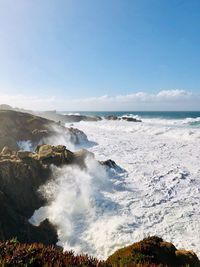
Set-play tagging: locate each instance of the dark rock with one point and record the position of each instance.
(18, 126)
(19, 182)
(130, 119)
(21, 175)
(111, 117)
(109, 163)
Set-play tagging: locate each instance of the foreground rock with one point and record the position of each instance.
(153, 251)
(21, 175)
(17, 127)
(19, 182)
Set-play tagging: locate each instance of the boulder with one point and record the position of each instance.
(130, 119)
(154, 252)
(109, 163)
(45, 151)
(111, 117)
(187, 258)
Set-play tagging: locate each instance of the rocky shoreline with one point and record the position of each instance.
(23, 171)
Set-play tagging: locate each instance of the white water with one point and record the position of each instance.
(163, 182)
(160, 194)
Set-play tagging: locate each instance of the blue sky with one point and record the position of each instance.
(57, 52)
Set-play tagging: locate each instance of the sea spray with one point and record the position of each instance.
(25, 145)
(72, 138)
(78, 198)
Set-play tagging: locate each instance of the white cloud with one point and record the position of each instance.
(173, 93)
(175, 99)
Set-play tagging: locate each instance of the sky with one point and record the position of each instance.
(100, 54)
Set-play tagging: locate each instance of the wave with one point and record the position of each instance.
(163, 182)
(71, 113)
(192, 121)
(78, 200)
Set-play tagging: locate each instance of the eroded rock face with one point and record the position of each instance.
(153, 250)
(19, 182)
(17, 126)
(21, 175)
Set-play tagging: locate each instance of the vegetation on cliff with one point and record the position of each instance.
(150, 252)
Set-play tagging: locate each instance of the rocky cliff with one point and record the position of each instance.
(21, 175)
(17, 127)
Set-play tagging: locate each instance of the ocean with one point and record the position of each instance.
(156, 190)
(145, 114)
(191, 117)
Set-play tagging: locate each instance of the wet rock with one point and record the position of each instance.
(19, 183)
(130, 119)
(111, 117)
(109, 163)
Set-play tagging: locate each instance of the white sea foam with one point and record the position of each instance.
(163, 181)
(79, 199)
(25, 145)
(160, 193)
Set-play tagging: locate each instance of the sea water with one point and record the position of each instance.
(157, 193)
(162, 158)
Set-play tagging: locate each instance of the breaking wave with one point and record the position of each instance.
(98, 211)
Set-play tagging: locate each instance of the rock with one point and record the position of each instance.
(77, 136)
(57, 155)
(24, 154)
(45, 151)
(6, 151)
(109, 163)
(187, 258)
(21, 175)
(59, 149)
(153, 250)
(130, 119)
(18, 126)
(111, 117)
(80, 156)
(19, 198)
